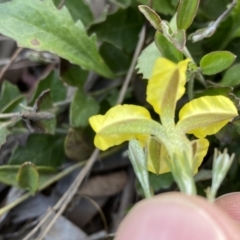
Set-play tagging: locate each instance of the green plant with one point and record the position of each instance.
(197, 31)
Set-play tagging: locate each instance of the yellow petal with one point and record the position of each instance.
(206, 115)
(157, 155)
(166, 84)
(122, 123)
(200, 148)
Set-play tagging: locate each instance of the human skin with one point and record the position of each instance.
(175, 216)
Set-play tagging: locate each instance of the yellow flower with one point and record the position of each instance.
(166, 143)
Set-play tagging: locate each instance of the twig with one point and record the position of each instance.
(132, 66)
(71, 192)
(6, 67)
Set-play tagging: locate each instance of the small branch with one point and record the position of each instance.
(6, 67)
(34, 116)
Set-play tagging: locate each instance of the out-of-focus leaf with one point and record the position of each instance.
(10, 95)
(120, 29)
(209, 10)
(232, 76)
(4, 129)
(82, 108)
(48, 29)
(52, 82)
(77, 144)
(122, 3)
(3, 134)
(8, 174)
(186, 12)
(79, 10)
(216, 62)
(116, 59)
(160, 182)
(28, 177)
(44, 104)
(167, 49)
(234, 30)
(151, 16)
(14, 105)
(41, 150)
(138, 160)
(165, 7)
(147, 59)
(214, 89)
(75, 76)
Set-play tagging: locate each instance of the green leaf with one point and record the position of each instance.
(9, 173)
(79, 10)
(167, 49)
(75, 76)
(151, 16)
(121, 29)
(234, 30)
(14, 105)
(52, 82)
(162, 6)
(116, 59)
(28, 177)
(82, 107)
(214, 89)
(147, 60)
(122, 3)
(9, 94)
(216, 62)
(3, 133)
(44, 104)
(78, 144)
(46, 28)
(41, 150)
(4, 129)
(186, 12)
(138, 160)
(232, 76)
(160, 182)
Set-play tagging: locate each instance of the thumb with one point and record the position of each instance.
(174, 216)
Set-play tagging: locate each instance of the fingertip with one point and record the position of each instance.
(230, 203)
(176, 216)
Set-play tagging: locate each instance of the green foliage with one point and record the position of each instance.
(138, 160)
(231, 76)
(59, 34)
(52, 82)
(44, 104)
(167, 49)
(186, 12)
(79, 10)
(117, 30)
(10, 98)
(82, 107)
(72, 33)
(162, 6)
(41, 150)
(28, 177)
(147, 59)
(9, 175)
(216, 62)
